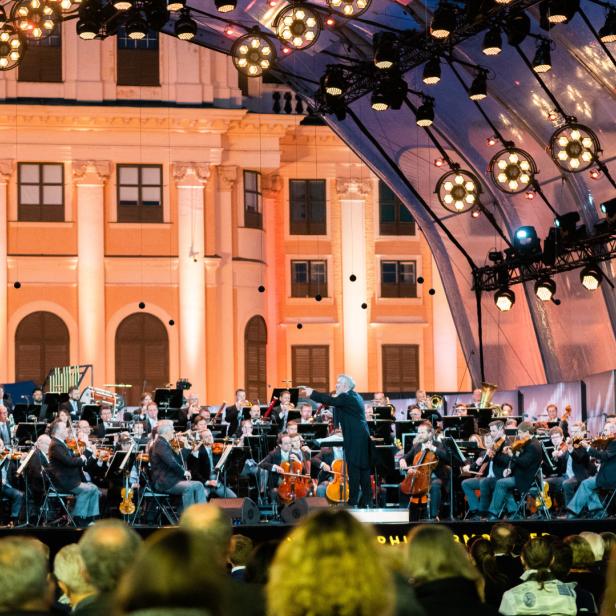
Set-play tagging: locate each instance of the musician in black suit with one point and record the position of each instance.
(274, 459)
(280, 413)
(168, 468)
(65, 469)
(321, 466)
(350, 415)
(572, 466)
(72, 404)
(232, 414)
(8, 480)
(523, 466)
(34, 470)
(586, 495)
(100, 430)
(6, 400)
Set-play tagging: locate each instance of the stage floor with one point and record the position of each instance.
(391, 527)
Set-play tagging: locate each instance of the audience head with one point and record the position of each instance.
(172, 572)
(24, 581)
(609, 543)
(537, 555)
(583, 558)
(70, 571)
(502, 538)
(108, 548)
(240, 548)
(562, 559)
(325, 552)
(480, 549)
(596, 544)
(213, 527)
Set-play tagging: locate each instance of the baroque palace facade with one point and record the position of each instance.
(157, 223)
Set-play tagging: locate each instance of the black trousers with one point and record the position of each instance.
(359, 478)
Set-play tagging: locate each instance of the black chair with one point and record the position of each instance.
(52, 494)
(153, 505)
(535, 491)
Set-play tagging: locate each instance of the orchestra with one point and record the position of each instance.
(471, 460)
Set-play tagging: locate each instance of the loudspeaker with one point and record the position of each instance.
(301, 507)
(240, 510)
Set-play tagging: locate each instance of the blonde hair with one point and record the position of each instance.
(433, 554)
(330, 564)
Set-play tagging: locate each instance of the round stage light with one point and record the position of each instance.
(504, 299)
(11, 48)
(253, 54)
(298, 25)
(512, 170)
(35, 19)
(458, 191)
(350, 8)
(591, 277)
(545, 289)
(574, 147)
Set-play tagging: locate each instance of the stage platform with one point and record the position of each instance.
(391, 526)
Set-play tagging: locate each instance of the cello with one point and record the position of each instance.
(417, 484)
(295, 484)
(337, 491)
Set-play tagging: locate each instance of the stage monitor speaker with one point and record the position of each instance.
(240, 510)
(302, 507)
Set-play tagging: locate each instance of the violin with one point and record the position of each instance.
(518, 445)
(602, 442)
(295, 484)
(11, 455)
(77, 446)
(127, 506)
(338, 490)
(218, 448)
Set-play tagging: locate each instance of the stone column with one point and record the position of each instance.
(89, 177)
(225, 309)
(7, 167)
(190, 180)
(352, 197)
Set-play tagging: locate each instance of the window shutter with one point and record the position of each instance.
(255, 373)
(400, 367)
(310, 366)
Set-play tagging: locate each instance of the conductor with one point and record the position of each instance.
(350, 416)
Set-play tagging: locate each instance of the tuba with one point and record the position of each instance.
(436, 402)
(487, 393)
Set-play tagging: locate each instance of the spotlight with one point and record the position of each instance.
(11, 48)
(334, 81)
(525, 240)
(553, 115)
(136, 27)
(607, 33)
(432, 72)
(185, 26)
(545, 289)
(175, 5)
(458, 191)
(298, 25)
(530, 195)
(609, 209)
(439, 162)
(122, 5)
(385, 50)
(491, 140)
(504, 299)
(87, 29)
(389, 93)
(512, 170)
(479, 88)
(591, 277)
(252, 54)
(35, 19)
(350, 7)
(330, 21)
(225, 6)
(561, 11)
(475, 212)
(574, 147)
(542, 62)
(425, 114)
(594, 174)
(492, 42)
(443, 22)
(517, 27)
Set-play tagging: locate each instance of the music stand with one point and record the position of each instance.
(168, 398)
(115, 464)
(383, 412)
(317, 430)
(407, 426)
(463, 425)
(91, 413)
(29, 431)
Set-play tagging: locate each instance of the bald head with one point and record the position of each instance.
(212, 524)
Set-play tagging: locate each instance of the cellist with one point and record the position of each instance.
(425, 441)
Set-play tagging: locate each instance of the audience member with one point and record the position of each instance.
(213, 526)
(445, 580)
(539, 593)
(70, 572)
(108, 549)
(325, 554)
(240, 548)
(582, 567)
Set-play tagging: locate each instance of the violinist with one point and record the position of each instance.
(202, 462)
(8, 469)
(490, 468)
(525, 457)
(425, 440)
(65, 469)
(34, 470)
(586, 496)
(5, 426)
(572, 464)
(168, 467)
(94, 469)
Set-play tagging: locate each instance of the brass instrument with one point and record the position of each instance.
(436, 402)
(487, 393)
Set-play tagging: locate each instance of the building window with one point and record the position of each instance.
(253, 216)
(137, 60)
(255, 359)
(400, 367)
(42, 61)
(41, 192)
(308, 278)
(398, 279)
(394, 216)
(307, 204)
(310, 366)
(140, 196)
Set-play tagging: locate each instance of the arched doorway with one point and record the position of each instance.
(255, 372)
(41, 343)
(141, 355)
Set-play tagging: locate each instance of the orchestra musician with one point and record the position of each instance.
(202, 462)
(476, 400)
(73, 405)
(586, 496)
(8, 469)
(255, 415)
(34, 471)
(413, 412)
(421, 399)
(292, 428)
(496, 462)
(425, 440)
(506, 409)
(105, 421)
(5, 399)
(273, 460)
(524, 462)
(232, 414)
(460, 410)
(168, 467)
(550, 416)
(151, 420)
(280, 413)
(65, 469)
(572, 464)
(350, 415)
(188, 413)
(305, 414)
(321, 466)
(5, 426)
